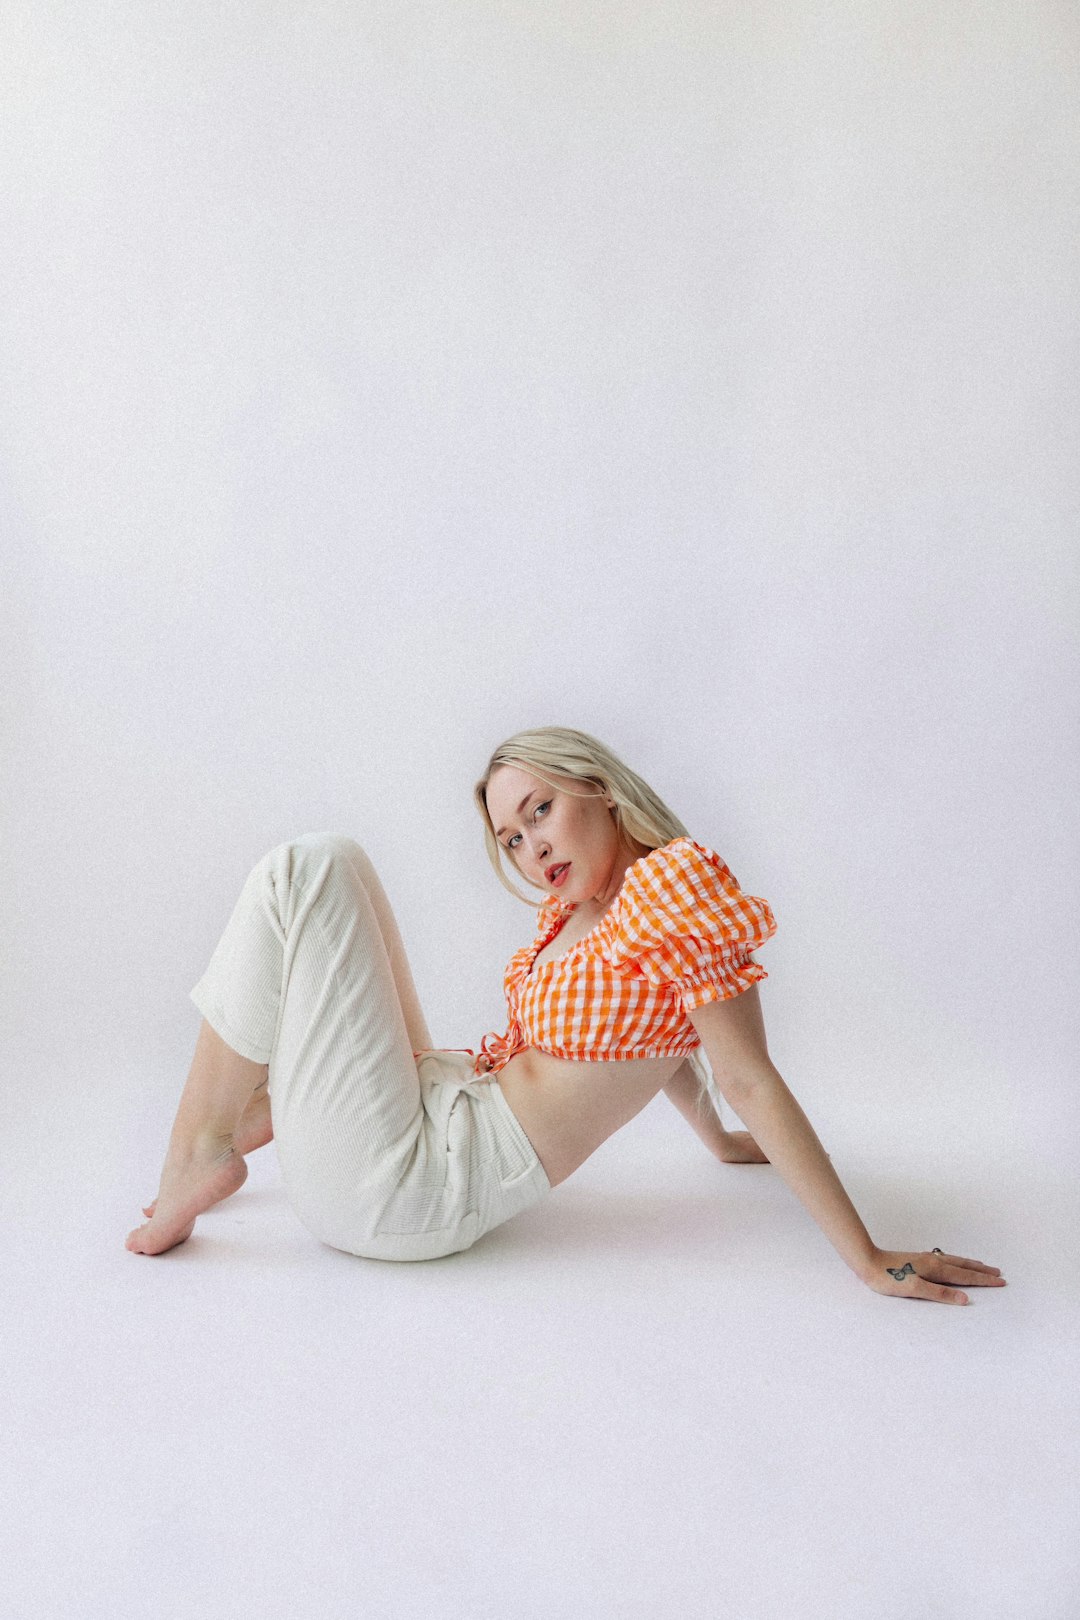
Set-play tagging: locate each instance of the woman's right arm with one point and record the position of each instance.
(730, 1147)
(682, 1090)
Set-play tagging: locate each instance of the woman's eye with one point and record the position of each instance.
(545, 806)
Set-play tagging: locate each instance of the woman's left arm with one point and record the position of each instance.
(733, 1035)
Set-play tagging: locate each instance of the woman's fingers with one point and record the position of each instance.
(931, 1276)
(945, 1296)
(953, 1296)
(924, 1288)
(976, 1265)
(976, 1279)
(972, 1272)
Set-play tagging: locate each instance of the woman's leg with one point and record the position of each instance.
(202, 1164)
(310, 986)
(415, 1022)
(255, 1127)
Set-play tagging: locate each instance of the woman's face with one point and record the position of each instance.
(542, 827)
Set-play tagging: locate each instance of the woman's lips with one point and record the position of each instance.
(559, 873)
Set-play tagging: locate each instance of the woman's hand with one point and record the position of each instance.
(927, 1276)
(739, 1147)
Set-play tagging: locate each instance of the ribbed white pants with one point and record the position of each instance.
(387, 1149)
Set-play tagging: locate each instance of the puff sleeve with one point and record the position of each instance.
(682, 921)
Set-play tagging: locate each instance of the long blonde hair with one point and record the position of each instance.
(641, 816)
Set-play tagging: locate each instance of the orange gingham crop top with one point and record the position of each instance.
(678, 933)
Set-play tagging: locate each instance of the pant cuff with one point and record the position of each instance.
(232, 1037)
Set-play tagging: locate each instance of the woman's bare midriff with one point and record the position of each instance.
(568, 1109)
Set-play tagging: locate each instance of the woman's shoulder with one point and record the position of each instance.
(678, 876)
(680, 906)
(682, 860)
(675, 886)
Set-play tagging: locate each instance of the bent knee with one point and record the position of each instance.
(327, 843)
(321, 847)
(310, 857)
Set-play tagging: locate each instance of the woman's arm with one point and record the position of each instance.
(730, 1147)
(682, 1090)
(733, 1035)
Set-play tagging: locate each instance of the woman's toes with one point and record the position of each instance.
(152, 1239)
(189, 1186)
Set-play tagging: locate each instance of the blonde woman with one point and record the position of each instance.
(393, 1149)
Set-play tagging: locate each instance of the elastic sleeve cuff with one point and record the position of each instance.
(697, 991)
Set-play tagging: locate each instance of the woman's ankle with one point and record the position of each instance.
(208, 1140)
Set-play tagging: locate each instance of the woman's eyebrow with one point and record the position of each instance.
(520, 808)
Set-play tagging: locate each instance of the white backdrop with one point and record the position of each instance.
(383, 378)
(380, 378)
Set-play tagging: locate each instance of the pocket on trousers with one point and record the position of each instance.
(528, 1174)
(433, 1194)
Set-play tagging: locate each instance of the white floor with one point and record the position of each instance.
(660, 1394)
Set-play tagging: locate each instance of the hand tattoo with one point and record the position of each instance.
(901, 1272)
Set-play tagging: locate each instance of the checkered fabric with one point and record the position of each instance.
(678, 933)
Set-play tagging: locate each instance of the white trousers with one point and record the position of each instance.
(383, 1153)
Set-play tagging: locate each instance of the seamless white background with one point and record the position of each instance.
(380, 379)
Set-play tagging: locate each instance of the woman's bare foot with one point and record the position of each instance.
(254, 1131)
(195, 1175)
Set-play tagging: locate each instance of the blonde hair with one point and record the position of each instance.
(641, 816)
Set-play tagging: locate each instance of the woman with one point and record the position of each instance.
(395, 1150)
